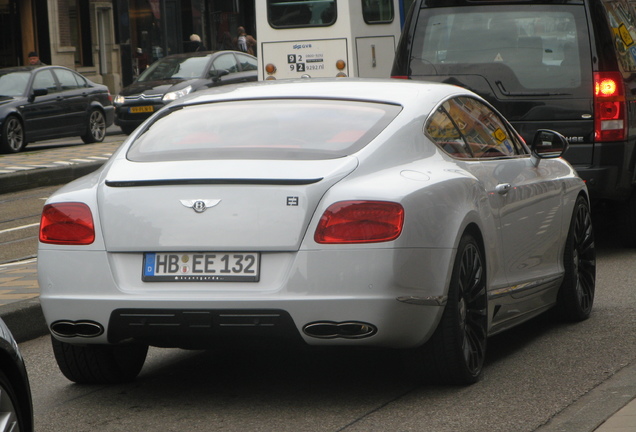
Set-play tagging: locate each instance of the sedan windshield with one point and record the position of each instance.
(14, 83)
(175, 68)
(285, 129)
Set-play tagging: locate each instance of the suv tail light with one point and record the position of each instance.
(67, 223)
(610, 111)
(360, 222)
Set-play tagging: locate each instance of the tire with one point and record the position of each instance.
(455, 353)
(96, 127)
(10, 412)
(99, 364)
(12, 138)
(576, 294)
(627, 221)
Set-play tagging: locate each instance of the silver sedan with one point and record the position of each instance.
(370, 213)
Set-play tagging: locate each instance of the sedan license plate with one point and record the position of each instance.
(142, 109)
(201, 267)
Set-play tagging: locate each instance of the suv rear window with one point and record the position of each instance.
(521, 49)
(285, 129)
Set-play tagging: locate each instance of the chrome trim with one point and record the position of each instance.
(424, 301)
(515, 289)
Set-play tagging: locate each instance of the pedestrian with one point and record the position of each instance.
(34, 59)
(245, 42)
(196, 44)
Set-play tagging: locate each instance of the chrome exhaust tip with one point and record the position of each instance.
(344, 330)
(83, 329)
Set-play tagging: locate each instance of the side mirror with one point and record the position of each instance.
(548, 144)
(38, 92)
(218, 73)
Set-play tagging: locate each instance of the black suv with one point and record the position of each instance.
(566, 65)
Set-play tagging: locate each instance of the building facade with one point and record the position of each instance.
(112, 41)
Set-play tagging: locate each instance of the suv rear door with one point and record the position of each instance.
(533, 62)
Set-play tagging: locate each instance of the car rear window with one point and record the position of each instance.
(521, 49)
(284, 129)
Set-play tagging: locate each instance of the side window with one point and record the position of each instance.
(377, 11)
(622, 19)
(67, 79)
(301, 13)
(225, 61)
(442, 130)
(45, 79)
(247, 63)
(485, 132)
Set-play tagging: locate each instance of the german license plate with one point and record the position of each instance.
(142, 109)
(201, 267)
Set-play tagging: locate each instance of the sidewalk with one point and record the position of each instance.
(20, 306)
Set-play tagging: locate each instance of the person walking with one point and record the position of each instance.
(34, 59)
(245, 42)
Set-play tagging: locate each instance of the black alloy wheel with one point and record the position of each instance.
(96, 128)
(12, 135)
(10, 413)
(576, 295)
(455, 353)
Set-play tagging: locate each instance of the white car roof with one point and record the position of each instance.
(401, 92)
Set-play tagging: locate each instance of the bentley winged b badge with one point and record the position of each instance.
(200, 205)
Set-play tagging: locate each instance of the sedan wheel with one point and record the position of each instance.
(9, 412)
(576, 295)
(99, 364)
(12, 138)
(455, 353)
(96, 129)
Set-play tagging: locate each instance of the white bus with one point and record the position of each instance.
(326, 38)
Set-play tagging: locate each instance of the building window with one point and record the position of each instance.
(80, 31)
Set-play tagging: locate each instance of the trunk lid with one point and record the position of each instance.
(250, 205)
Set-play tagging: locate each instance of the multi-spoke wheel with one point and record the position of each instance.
(456, 351)
(96, 128)
(576, 295)
(10, 415)
(12, 135)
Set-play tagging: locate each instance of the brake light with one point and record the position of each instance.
(400, 77)
(610, 111)
(360, 222)
(67, 223)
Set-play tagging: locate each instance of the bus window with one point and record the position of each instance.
(377, 11)
(303, 13)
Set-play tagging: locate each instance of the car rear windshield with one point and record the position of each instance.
(175, 68)
(521, 50)
(283, 129)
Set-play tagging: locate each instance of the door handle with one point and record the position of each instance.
(503, 188)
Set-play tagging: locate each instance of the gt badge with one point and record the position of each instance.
(200, 205)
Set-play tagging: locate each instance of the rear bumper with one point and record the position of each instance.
(611, 174)
(296, 289)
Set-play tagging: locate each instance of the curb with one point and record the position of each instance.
(25, 319)
(30, 179)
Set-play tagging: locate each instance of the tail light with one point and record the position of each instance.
(360, 222)
(400, 77)
(610, 111)
(67, 223)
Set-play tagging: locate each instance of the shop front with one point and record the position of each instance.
(151, 29)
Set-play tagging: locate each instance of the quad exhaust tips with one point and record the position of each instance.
(83, 329)
(344, 330)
